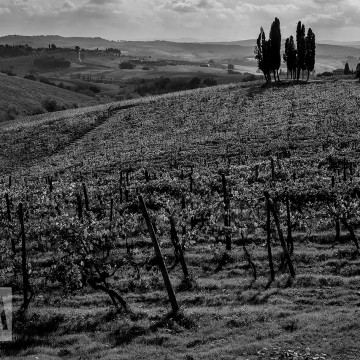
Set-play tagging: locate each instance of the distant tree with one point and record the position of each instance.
(53, 46)
(275, 47)
(194, 82)
(301, 48)
(230, 68)
(209, 82)
(262, 55)
(310, 52)
(126, 65)
(347, 70)
(357, 71)
(77, 48)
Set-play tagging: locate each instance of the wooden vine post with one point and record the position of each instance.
(290, 240)
(167, 282)
(281, 237)
(178, 249)
(79, 206)
(8, 211)
(87, 207)
(227, 210)
(337, 221)
(268, 241)
(24, 261)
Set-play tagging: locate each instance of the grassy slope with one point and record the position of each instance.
(233, 316)
(26, 95)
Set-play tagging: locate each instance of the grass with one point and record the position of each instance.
(25, 97)
(226, 315)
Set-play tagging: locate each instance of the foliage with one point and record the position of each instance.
(310, 52)
(275, 47)
(30, 77)
(127, 65)
(50, 63)
(347, 70)
(263, 54)
(357, 71)
(14, 50)
(11, 112)
(289, 56)
(51, 105)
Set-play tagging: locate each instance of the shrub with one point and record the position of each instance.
(145, 68)
(47, 82)
(8, 72)
(37, 111)
(11, 112)
(209, 82)
(194, 83)
(47, 63)
(249, 77)
(30, 77)
(50, 105)
(95, 89)
(126, 65)
(325, 73)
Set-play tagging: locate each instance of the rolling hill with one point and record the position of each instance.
(21, 97)
(330, 55)
(78, 174)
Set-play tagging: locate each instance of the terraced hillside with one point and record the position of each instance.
(249, 176)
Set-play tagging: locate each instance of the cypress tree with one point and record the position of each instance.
(301, 48)
(262, 55)
(290, 56)
(347, 69)
(275, 47)
(310, 52)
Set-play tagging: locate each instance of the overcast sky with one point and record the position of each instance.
(215, 20)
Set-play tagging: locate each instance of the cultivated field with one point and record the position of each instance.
(228, 166)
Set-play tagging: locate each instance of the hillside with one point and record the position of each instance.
(21, 97)
(329, 55)
(259, 185)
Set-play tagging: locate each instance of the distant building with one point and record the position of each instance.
(338, 72)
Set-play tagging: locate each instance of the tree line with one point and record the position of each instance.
(14, 50)
(298, 57)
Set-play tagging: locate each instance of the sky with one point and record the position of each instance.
(206, 20)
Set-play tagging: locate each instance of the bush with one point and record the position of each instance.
(95, 89)
(8, 72)
(47, 82)
(325, 73)
(194, 83)
(30, 77)
(209, 82)
(145, 68)
(249, 77)
(37, 111)
(47, 63)
(127, 65)
(11, 112)
(50, 105)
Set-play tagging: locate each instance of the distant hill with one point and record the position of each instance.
(330, 55)
(25, 97)
(59, 41)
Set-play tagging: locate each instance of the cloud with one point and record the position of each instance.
(5, 11)
(182, 6)
(68, 6)
(205, 19)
